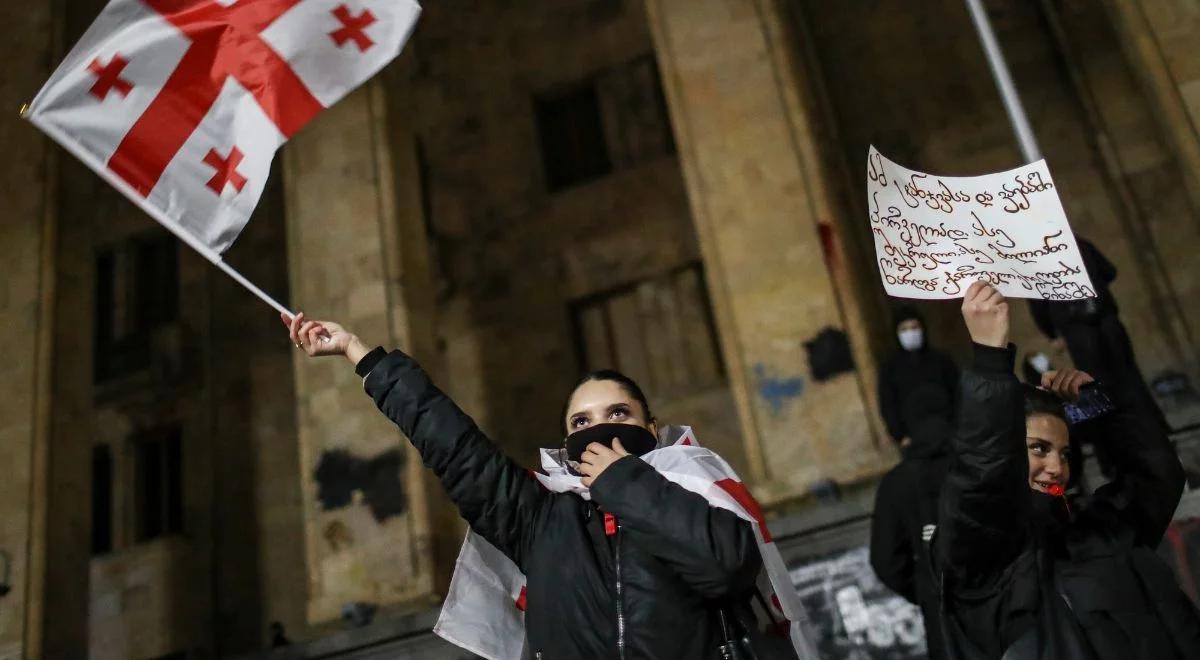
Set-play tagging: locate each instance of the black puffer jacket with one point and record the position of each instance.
(906, 506)
(1023, 577)
(646, 589)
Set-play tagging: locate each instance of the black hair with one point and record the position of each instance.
(907, 313)
(627, 384)
(1039, 401)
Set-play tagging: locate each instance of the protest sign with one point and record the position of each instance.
(935, 235)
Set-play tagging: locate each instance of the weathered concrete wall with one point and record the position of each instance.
(1111, 158)
(342, 235)
(134, 605)
(170, 389)
(26, 181)
(1147, 172)
(510, 255)
(758, 212)
(258, 521)
(222, 373)
(1160, 36)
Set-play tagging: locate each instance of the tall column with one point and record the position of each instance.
(355, 255)
(1160, 36)
(767, 230)
(26, 311)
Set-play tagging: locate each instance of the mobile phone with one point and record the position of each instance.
(1092, 403)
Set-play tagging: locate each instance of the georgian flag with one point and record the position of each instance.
(484, 611)
(181, 104)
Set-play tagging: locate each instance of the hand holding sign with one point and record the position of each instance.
(985, 312)
(934, 236)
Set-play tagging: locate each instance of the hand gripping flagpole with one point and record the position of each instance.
(1004, 83)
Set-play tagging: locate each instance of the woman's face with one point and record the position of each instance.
(1047, 441)
(605, 402)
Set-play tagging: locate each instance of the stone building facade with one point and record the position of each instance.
(670, 187)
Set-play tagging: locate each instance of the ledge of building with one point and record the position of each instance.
(394, 636)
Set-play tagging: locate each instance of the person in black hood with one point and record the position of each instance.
(905, 512)
(644, 569)
(1091, 330)
(914, 365)
(1027, 571)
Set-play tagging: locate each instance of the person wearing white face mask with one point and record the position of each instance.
(911, 335)
(914, 366)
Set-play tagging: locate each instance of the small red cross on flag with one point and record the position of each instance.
(182, 104)
(108, 77)
(353, 28)
(227, 174)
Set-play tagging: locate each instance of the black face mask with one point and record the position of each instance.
(635, 439)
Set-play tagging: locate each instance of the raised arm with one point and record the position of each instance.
(495, 496)
(1149, 478)
(986, 494)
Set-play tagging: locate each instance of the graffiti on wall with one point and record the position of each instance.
(854, 614)
(341, 475)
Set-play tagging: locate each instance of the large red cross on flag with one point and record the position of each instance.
(181, 104)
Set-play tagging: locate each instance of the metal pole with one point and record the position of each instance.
(216, 260)
(1008, 92)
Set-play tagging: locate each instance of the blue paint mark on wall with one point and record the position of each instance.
(777, 391)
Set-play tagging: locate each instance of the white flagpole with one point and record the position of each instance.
(216, 260)
(1008, 91)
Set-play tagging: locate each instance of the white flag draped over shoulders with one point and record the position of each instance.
(181, 104)
(484, 611)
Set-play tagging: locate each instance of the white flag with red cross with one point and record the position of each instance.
(181, 104)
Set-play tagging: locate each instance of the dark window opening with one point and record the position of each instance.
(137, 291)
(571, 131)
(634, 109)
(102, 500)
(158, 469)
(659, 331)
(614, 120)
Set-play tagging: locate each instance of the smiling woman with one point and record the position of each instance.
(1047, 439)
(1026, 571)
